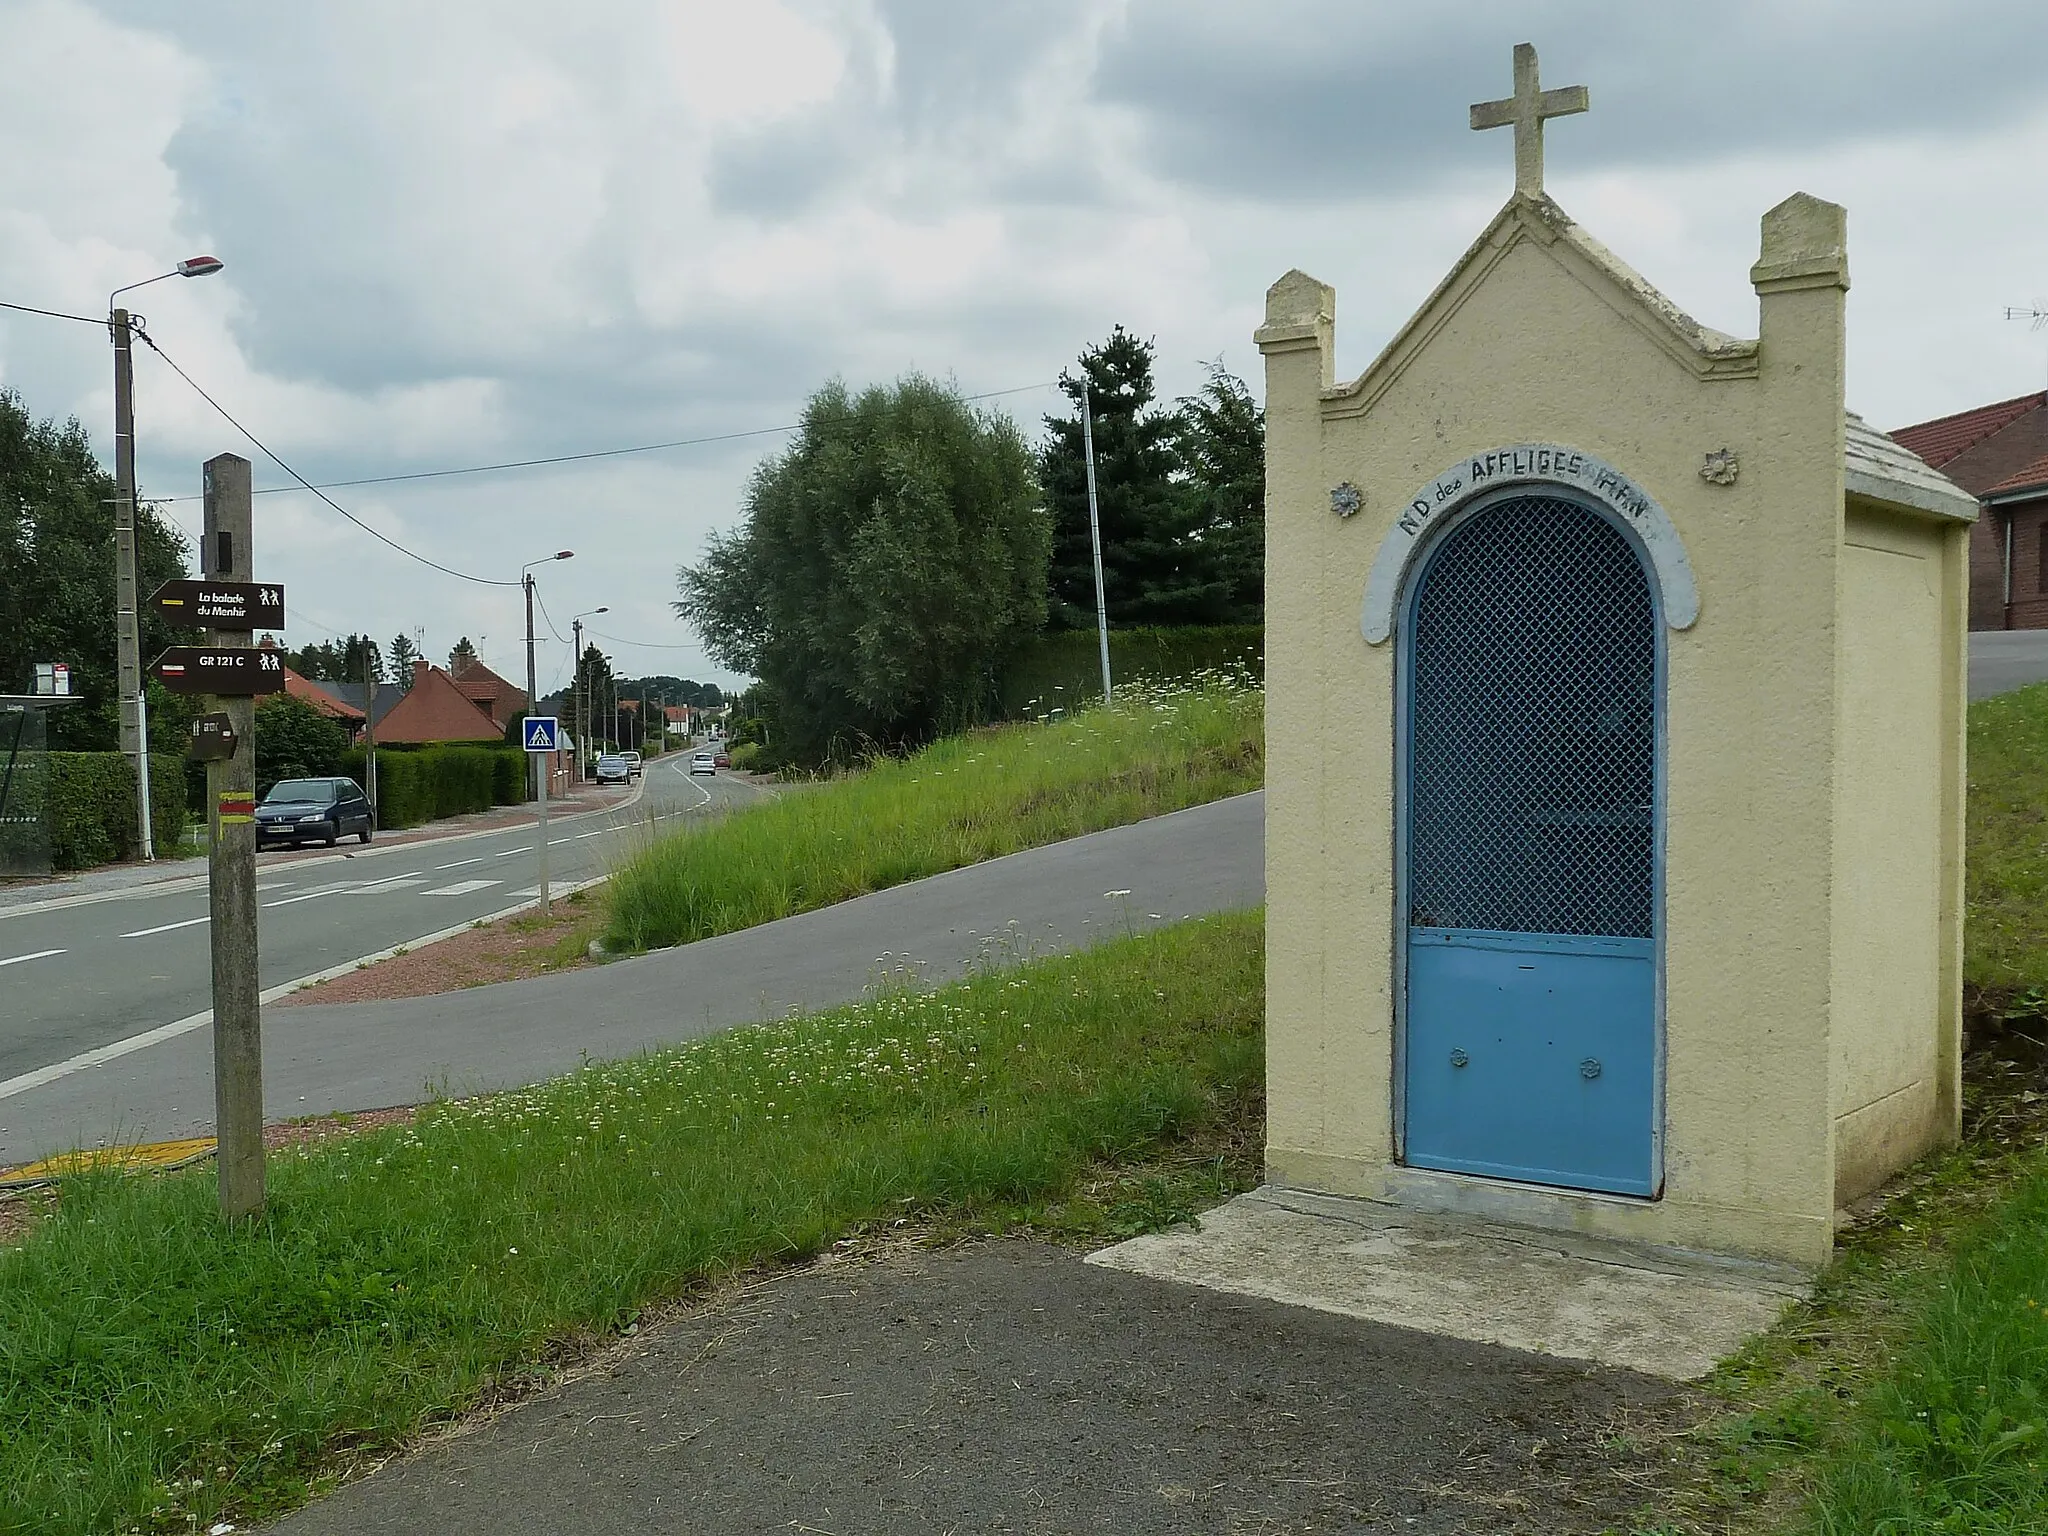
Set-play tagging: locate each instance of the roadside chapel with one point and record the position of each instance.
(1615, 748)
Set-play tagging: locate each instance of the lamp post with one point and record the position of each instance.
(539, 761)
(134, 704)
(576, 684)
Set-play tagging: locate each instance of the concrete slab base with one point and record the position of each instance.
(1577, 1298)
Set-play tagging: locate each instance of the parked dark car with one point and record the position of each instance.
(306, 810)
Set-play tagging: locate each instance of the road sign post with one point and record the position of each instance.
(542, 733)
(232, 671)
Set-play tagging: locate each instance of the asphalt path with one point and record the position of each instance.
(2004, 659)
(347, 1056)
(79, 973)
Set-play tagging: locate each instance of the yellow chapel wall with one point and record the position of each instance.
(1898, 860)
(1532, 342)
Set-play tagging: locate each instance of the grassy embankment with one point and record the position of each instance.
(959, 801)
(158, 1373)
(1911, 1396)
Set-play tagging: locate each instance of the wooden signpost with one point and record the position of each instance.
(234, 673)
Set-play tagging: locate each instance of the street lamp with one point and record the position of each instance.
(540, 765)
(576, 683)
(134, 704)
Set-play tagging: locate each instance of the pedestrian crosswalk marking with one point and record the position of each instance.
(462, 888)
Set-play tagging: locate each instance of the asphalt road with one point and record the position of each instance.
(83, 972)
(345, 1056)
(2004, 659)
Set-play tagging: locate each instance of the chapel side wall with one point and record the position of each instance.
(1891, 848)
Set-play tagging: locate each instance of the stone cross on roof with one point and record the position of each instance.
(1527, 109)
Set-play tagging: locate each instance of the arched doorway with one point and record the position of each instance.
(1531, 757)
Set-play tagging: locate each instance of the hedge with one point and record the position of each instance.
(1063, 668)
(416, 784)
(91, 807)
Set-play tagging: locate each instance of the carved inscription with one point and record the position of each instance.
(1503, 465)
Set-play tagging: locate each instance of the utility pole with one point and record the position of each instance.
(231, 889)
(576, 698)
(1095, 533)
(370, 732)
(127, 627)
(538, 759)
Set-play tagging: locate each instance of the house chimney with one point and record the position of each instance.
(420, 667)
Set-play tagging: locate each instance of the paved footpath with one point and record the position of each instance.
(347, 1056)
(1007, 1386)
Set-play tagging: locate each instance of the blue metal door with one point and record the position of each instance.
(1531, 775)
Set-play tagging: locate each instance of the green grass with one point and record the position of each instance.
(2005, 934)
(158, 1371)
(960, 801)
(1955, 1437)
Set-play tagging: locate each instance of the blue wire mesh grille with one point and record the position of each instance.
(1533, 741)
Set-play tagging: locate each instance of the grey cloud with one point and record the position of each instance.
(1292, 99)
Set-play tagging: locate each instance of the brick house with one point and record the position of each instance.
(437, 709)
(342, 713)
(503, 701)
(1999, 454)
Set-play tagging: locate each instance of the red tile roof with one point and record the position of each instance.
(2033, 477)
(501, 699)
(323, 701)
(1945, 437)
(436, 710)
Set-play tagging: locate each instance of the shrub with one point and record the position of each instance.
(416, 784)
(1063, 669)
(295, 741)
(91, 806)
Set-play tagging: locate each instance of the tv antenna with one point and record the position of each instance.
(2035, 314)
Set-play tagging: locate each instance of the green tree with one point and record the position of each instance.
(403, 654)
(891, 559)
(1155, 567)
(1220, 444)
(57, 578)
(295, 741)
(595, 685)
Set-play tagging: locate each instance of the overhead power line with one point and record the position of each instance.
(643, 645)
(54, 314)
(572, 458)
(262, 447)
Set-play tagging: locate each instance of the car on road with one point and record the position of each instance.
(297, 811)
(632, 764)
(613, 769)
(703, 762)
(722, 758)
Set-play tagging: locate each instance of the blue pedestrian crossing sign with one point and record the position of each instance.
(541, 733)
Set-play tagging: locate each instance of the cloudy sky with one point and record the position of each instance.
(467, 232)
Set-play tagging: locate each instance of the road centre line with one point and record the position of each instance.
(42, 1076)
(461, 863)
(506, 853)
(190, 922)
(41, 954)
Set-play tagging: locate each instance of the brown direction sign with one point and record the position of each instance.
(232, 670)
(213, 739)
(234, 605)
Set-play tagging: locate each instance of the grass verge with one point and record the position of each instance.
(158, 1372)
(2005, 932)
(958, 802)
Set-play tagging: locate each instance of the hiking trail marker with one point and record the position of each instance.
(230, 671)
(236, 605)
